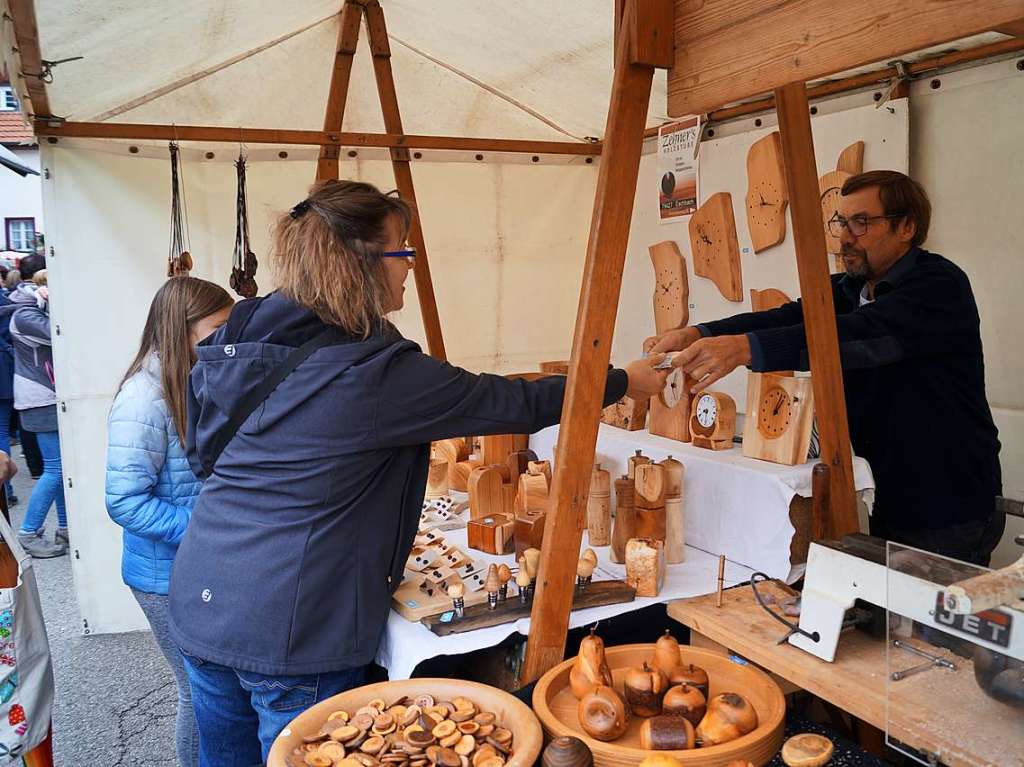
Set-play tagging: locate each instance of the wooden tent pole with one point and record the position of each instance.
(337, 95)
(639, 42)
(819, 311)
(381, 50)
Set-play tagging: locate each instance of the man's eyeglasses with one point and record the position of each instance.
(857, 226)
(409, 253)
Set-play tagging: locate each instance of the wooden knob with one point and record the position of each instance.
(807, 750)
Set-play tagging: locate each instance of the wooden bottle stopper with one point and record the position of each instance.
(450, 450)
(504, 574)
(496, 448)
(518, 463)
(635, 460)
(590, 555)
(485, 493)
(458, 475)
(529, 531)
(437, 478)
(491, 585)
(645, 566)
(523, 579)
(540, 467)
(532, 559)
(457, 590)
(675, 537)
(674, 472)
(599, 512)
(625, 519)
(533, 492)
(650, 486)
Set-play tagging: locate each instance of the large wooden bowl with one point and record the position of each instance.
(527, 737)
(556, 707)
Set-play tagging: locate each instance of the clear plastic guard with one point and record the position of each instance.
(937, 663)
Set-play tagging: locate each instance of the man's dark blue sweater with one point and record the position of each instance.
(914, 376)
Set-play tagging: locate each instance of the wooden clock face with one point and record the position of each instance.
(667, 290)
(830, 185)
(675, 388)
(774, 413)
(716, 251)
(706, 412)
(707, 243)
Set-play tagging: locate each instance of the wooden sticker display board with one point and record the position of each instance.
(671, 311)
(780, 417)
(766, 193)
(716, 251)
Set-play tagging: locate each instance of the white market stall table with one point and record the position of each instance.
(406, 644)
(732, 505)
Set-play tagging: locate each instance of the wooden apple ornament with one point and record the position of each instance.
(729, 716)
(692, 675)
(590, 668)
(603, 714)
(645, 687)
(685, 701)
(667, 733)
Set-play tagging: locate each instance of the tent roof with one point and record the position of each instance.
(532, 69)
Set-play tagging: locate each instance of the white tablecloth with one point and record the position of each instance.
(406, 644)
(732, 505)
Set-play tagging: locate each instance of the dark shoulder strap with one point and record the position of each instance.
(248, 404)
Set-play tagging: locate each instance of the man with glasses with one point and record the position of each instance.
(913, 369)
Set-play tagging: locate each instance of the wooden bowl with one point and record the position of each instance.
(527, 738)
(556, 707)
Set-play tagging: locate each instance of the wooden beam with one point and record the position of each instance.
(26, 35)
(1014, 28)
(143, 132)
(819, 311)
(728, 50)
(327, 165)
(592, 342)
(381, 50)
(866, 79)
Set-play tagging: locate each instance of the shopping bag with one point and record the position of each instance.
(26, 674)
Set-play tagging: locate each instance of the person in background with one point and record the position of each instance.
(321, 487)
(150, 488)
(39, 278)
(12, 280)
(7, 308)
(8, 468)
(35, 399)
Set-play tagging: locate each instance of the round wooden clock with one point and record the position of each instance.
(675, 388)
(780, 418)
(713, 420)
(830, 186)
(774, 413)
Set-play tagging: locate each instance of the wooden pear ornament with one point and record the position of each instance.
(668, 660)
(692, 675)
(729, 716)
(644, 688)
(602, 714)
(667, 733)
(590, 668)
(685, 701)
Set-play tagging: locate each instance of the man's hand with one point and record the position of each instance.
(644, 380)
(8, 468)
(709, 359)
(671, 341)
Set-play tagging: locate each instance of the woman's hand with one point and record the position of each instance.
(671, 340)
(644, 380)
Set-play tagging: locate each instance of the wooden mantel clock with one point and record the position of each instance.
(767, 196)
(713, 420)
(670, 412)
(716, 251)
(780, 418)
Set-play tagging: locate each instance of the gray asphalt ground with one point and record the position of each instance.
(115, 698)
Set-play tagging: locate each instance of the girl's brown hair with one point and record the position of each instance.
(327, 253)
(176, 307)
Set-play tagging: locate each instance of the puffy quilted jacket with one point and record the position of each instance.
(150, 487)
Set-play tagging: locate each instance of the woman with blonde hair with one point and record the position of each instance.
(311, 421)
(150, 488)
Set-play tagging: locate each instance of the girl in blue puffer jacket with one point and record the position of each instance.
(150, 487)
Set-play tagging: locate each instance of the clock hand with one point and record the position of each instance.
(777, 406)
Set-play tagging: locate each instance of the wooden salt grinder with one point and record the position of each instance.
(675, 538)
(437, 478)
(649, 500)
(635, 460)
(625, 519)
(599, 518)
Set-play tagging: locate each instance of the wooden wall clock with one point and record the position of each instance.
(769, 298)
(780, 418)
(850, 163)
(670, 411)
(716, 251)
(767, 196)
(713, 420)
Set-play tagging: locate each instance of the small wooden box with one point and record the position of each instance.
(529, 531)
(492, 534)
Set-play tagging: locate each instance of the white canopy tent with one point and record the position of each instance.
(506, 234)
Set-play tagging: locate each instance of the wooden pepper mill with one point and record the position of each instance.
(625, 518)
(635, 460)
(649, 500)
(599, 515)
(675, 538)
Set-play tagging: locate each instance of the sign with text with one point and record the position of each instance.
(991, 625)
(677, 161)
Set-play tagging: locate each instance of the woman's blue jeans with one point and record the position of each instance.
(240, 713)
(49, 488)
